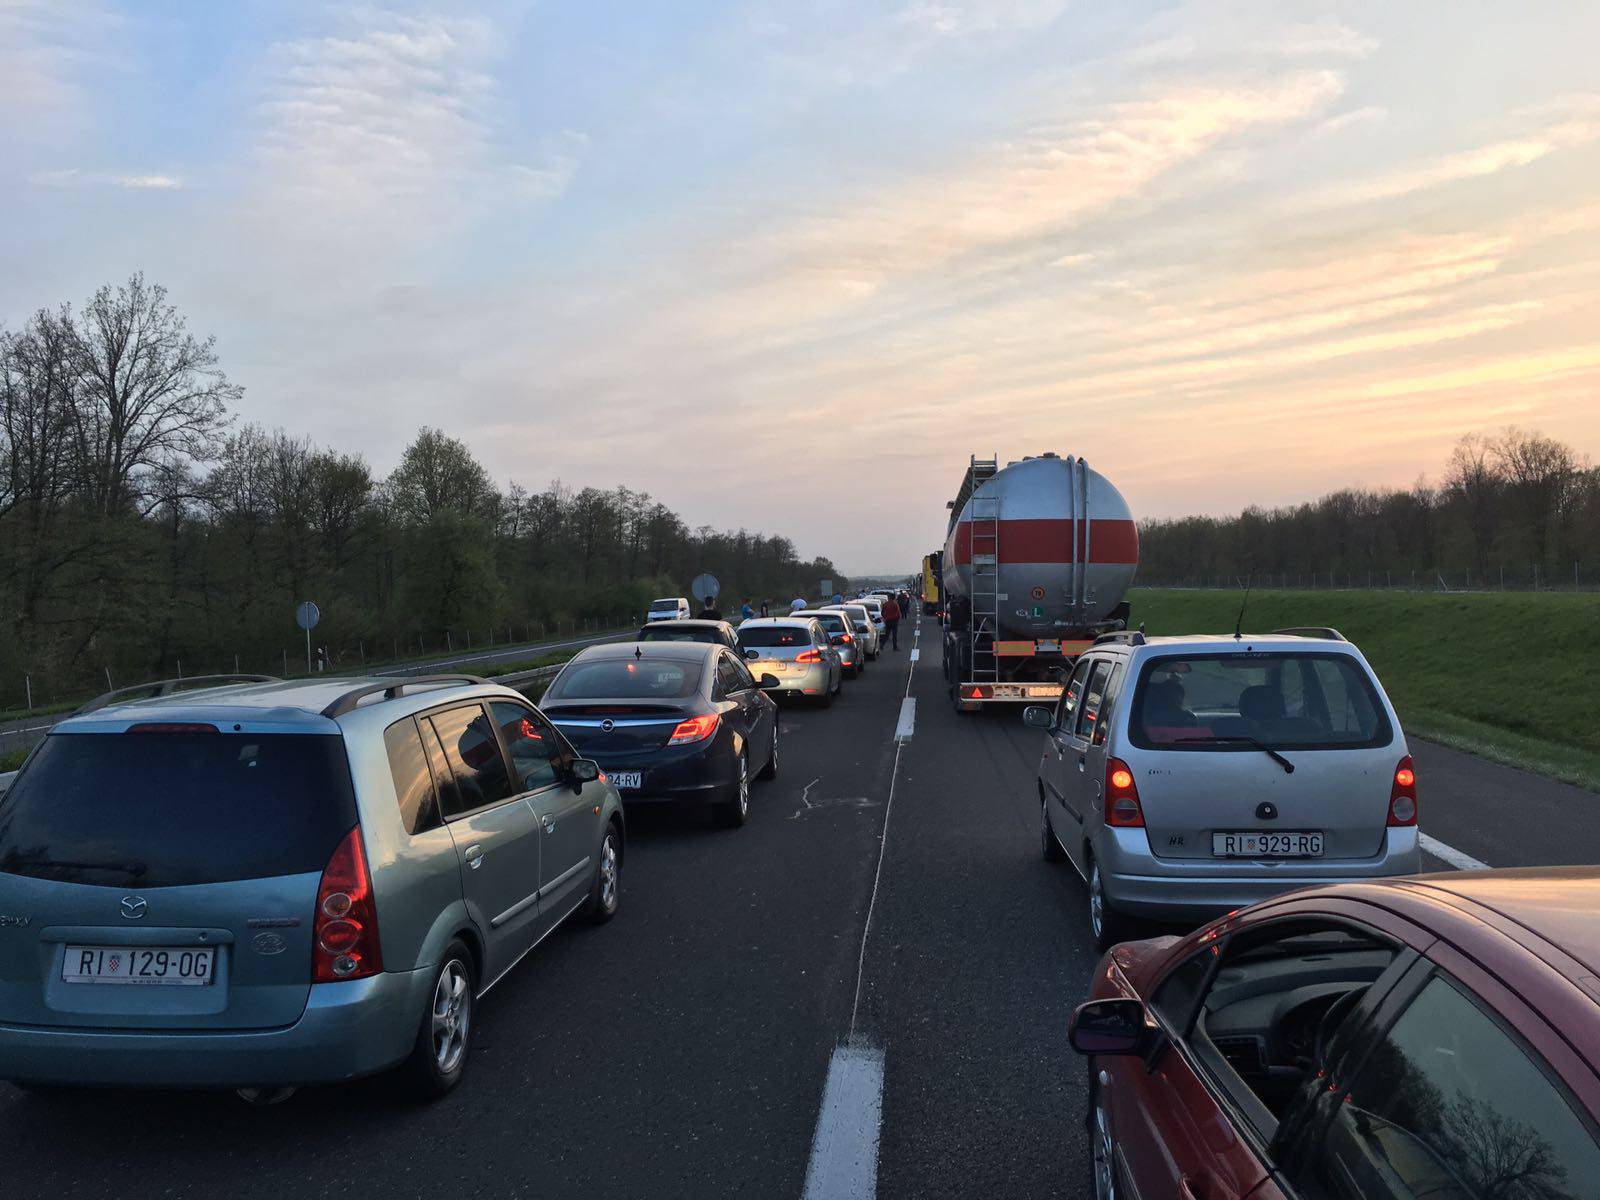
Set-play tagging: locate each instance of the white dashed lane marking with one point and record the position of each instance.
(844, 1150)
(908, 720)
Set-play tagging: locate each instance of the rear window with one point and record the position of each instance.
(1303, 701)
(832, 622)
(678, 634)
(166, 809)
(765, 636)
(646, 678)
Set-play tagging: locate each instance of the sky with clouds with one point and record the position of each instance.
(786, 265)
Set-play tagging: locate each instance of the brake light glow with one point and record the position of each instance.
(846, 638)
(1122, 797)
(694, 729)
(344, 934)
(1403, 795)
(808, 656)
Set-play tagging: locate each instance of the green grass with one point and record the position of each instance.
(554, 659)
(1510, 676)
(11, 760)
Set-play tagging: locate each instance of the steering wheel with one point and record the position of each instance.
(1329, 1025)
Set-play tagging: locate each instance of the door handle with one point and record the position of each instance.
(474, 856)
(549, 824)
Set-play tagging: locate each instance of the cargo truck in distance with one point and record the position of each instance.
(1038, 558)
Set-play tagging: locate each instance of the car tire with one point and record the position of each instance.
(1102, 1146)
(1106, 925)
(826, 699)
(770, 771)
(444, 1038)
(734, 811)
(1053, 851)
(605, 893)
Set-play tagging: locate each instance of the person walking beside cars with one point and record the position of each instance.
(797, 604)
(709, 611)
(745, 611)
(766, 608)
(891, 618)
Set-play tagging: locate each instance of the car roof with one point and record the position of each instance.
(798, 618)
(1217, 641)
(816, 612)
(683, 651)
(690, 623)
(284, 705)
(1557, 904)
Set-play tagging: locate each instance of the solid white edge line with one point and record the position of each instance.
(908, 720)
(844, 1149)
(1449, 854)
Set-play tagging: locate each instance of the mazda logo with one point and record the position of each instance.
(133, 907)
(607, 725)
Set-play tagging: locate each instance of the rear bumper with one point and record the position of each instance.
(691, 773)
(814, 681)
(347, 1030)
(1140, 884)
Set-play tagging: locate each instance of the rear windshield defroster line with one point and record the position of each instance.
(169, 809)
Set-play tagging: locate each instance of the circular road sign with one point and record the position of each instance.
(307, 616)
(705, 587)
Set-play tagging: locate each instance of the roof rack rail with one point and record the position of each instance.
(1123, 637)
(1327, 633)
(166, 687)
(392, 688)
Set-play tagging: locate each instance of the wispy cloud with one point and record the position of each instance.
(75, 177)
(46, 50)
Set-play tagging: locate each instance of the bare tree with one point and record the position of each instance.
(1541, 470)
(147, 391)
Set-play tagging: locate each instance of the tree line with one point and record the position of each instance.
(142, 528)
(1516, 509)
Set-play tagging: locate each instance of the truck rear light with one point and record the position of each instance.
(695, 729)
(978, 691)
(1122, 797)
(344, 932)
(808, 656)
(1403, 795)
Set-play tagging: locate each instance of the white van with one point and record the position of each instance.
(669, 608)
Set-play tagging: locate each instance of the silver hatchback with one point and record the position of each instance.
(796, 651)
(267, 884)
(1185, 777)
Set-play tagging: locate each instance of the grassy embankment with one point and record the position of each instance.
(1510, 676)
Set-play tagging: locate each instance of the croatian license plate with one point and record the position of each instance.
(625, 779)
(172, 966)
(1264, 844)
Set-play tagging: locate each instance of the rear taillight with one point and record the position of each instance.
(808, 656)
(1403, 795)
(344, 935)
(1122, 797)
(695, 729)
(846, 638)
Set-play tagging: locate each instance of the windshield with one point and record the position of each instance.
(1286, 700)
(663, 606)
(646, 678)
(166, 809)
(679, 633)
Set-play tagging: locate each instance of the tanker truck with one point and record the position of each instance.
(1037, 560)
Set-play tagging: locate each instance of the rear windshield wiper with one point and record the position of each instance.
(1288, 767)
(135, 869)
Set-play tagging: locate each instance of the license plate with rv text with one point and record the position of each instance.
(625, 779)
(1263, 844)
(173, 966)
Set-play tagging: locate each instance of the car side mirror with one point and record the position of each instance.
(584, 770)
(1109, 1027)
(752, 654)
(769, 683)
(1037, 716)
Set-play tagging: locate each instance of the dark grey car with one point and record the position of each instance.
(269, 884)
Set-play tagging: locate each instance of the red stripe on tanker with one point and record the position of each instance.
(1064, 542)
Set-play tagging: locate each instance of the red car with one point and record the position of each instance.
(1437, 1036)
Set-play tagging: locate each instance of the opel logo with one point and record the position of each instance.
(133, 907)
(607, 725)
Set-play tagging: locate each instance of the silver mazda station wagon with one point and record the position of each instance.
(1187, 776)
(264, 884)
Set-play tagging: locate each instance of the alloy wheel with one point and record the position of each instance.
(1105, 1178)
(744, 783)
(608, 872)
(452, 1016)
(1097, 901)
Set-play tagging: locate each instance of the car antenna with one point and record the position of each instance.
(1238, 625)
(638, 651)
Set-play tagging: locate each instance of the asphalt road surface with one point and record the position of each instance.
(733, 1032)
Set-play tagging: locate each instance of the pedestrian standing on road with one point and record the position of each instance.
(891, 619)
(797, 604)
(745, 611)
(766, 607)
(709, 611)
